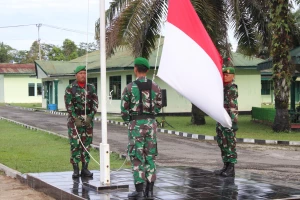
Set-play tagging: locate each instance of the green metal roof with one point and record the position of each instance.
(295, 52)
(268, 64)
(57, 67)
(241, 61)
(123, 60)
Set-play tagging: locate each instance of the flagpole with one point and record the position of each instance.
(104, 147)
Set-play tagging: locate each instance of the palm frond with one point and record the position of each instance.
(135, 23)
(250, 23)
(215, 20)
(145, 26)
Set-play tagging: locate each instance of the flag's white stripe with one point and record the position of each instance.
(187, 68)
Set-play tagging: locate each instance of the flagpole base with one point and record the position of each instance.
(104, 165)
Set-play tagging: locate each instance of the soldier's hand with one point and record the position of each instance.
(234, 126)
(88, 121)
(78, 122)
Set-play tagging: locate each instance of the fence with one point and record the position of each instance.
(265, 115)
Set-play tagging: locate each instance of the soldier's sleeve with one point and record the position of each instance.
(233, 103)
(158, 99)
(68, 102)
(125, 105)
(95, 102)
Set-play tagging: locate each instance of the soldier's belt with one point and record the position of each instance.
(138, 117)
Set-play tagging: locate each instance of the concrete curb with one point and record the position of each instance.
(10, 172)
(203, 137)
(183, 134)
(31, 109)
(13, 173)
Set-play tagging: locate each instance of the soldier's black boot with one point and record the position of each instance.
(76, 170)
(149, 190)
(138, 194)
(84, 171)
(230, 172)
(220, 171)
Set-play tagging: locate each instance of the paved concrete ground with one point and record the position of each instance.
(272, 161)
(177, 183)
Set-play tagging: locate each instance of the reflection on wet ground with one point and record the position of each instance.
(172, 183)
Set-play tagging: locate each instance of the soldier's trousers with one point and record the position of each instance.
(78, 153)
(227, 142)
(142, 151)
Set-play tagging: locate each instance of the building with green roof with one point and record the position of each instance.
(57, 75)
(267, 84)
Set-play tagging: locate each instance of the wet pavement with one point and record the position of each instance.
(276, 161)
(279, 165)
(172, 184)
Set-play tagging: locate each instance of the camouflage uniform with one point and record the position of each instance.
(226, 138)
(75, 105)
(142, 142)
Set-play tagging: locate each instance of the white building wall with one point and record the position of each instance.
(175, 102)
(248, 81)
(62, 84)
(1, 88)
(249, 89)
(16, 89)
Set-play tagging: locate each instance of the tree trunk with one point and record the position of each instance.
(282, 120)
(282, 72)
(198, 116)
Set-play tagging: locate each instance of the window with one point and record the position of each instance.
(128, 79)
(265, 87)
(94, 82)
(31, 87)
(115, 86)
(39, 88)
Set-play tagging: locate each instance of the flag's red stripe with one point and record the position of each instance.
(183, 15)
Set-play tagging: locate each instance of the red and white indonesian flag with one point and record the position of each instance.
(190, 63)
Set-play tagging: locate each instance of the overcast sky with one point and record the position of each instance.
(69, 14)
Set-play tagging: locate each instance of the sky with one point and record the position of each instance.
(68, 14)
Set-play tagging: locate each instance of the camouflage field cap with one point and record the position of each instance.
(142, 61)
(228, 70)
(79, 68)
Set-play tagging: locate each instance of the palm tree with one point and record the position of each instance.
(136, 24)
(282, 68)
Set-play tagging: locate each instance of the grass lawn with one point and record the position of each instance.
(247, 129)
(24, 105)
(34, 151)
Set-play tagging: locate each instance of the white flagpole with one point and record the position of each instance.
(104, 147)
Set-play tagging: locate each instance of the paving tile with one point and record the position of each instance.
(172, 183)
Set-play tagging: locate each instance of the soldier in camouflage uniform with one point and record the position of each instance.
(226, 137)
(81, 103)
(141, 100)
